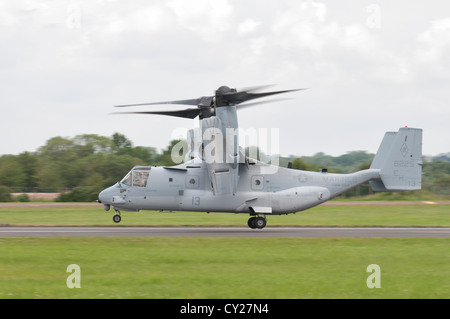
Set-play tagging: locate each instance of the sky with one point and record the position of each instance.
(368, 66)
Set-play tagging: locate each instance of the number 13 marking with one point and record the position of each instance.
(195, 201)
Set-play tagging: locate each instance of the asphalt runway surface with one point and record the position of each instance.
(305, 232)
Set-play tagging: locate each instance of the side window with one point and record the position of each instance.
(140, 178)
(191, 181)
(257, 182)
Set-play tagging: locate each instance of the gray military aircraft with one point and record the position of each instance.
(218, 177)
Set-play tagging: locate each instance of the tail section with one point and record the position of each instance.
(399, 159)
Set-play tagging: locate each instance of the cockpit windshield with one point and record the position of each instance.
(137, 177)
(126, 180)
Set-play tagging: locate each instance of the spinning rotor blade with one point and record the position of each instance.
(206, 105)
(245, 105)
(202, 101)
(187, 113)
(240, 97)
(254, 88)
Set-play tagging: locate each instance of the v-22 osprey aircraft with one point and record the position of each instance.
(218, 177)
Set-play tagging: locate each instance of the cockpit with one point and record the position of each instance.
(137, 177)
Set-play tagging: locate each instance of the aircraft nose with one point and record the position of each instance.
(105, 197)
(102, 197)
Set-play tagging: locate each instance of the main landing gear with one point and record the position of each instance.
(116, 217)
(258, 222)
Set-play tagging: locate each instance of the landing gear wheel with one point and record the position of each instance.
(117, 218)
(260, 222)
(251, 222)
(257, 222)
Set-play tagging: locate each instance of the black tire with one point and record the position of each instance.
(251, 222)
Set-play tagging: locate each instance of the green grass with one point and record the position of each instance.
(325, 215)
(224, 267)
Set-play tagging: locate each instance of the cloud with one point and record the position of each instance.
(301, 25)
(74, 60)
(208, 18)
(435, 40)
(7, 19)
(248, 27)
(302, 36)
(433, 53)
(149, 19)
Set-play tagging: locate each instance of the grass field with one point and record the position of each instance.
(224, 268)
(227, 267)
(346, 215)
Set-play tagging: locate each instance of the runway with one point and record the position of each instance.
(299, 232)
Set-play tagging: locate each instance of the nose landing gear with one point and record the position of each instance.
(258, 222)
(116, 217)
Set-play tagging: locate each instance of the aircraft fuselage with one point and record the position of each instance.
(262, 189)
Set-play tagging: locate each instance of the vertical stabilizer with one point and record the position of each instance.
(399, 159)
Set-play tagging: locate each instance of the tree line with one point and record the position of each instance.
(79, 167)
(82, 166)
